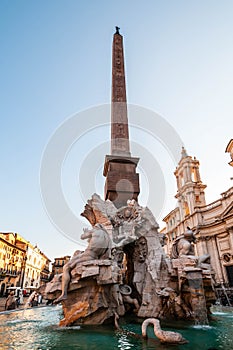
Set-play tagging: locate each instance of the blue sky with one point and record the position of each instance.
(56, 62)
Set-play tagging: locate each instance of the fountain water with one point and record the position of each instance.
(39, 329)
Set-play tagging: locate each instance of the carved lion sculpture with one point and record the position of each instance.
(183, 245)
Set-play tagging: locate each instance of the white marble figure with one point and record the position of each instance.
(99, 247)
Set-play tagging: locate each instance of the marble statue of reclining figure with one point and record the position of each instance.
(99, 247)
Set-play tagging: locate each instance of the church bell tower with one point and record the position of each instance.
(190, 189)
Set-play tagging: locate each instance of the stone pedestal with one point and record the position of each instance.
(195, 286)
(93, 295)
(122, 180)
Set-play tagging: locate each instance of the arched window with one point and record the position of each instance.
(186, 209)
(194, 174)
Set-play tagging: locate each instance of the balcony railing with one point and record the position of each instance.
(8, 273)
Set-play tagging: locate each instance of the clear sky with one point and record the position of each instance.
(56, 63)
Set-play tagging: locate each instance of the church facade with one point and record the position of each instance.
(212, 223)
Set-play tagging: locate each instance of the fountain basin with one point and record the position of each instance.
(38, 328)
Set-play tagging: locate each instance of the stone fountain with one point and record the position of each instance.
(124, 268)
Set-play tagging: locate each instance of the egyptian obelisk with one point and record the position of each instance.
(122, 181)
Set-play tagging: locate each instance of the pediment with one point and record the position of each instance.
(228, 211)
